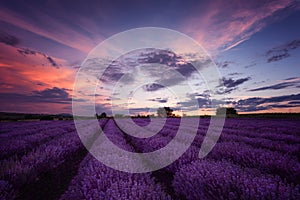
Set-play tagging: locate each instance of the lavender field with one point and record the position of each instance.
(253, 159)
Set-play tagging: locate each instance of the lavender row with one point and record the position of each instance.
(280, 146)
(282, 126)
(288, 131)
(22, 129)
(10, 127)
(272, 162)
(289, 144)
(22, 144)
(265, 160)
(46, 157)
(278, 189)
(97, 181)
(206, 179)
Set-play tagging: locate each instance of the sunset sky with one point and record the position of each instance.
(255, 45)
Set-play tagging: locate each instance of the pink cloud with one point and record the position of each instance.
(25, 73)
(225, 25)
(51, 28)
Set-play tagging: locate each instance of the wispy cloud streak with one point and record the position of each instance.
(223, 26)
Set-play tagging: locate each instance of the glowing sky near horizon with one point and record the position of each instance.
(255, 44)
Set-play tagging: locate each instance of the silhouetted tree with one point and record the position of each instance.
(103, 115)
(165, 112)
(228, 111)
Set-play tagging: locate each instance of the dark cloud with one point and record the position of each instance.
(244, 105)
(160, 100)
(113, 72)
(158, 56)
(279, 86)
(294, 103)
(152, 59)
(27, 51)
(281, 52)
(228, 85)
(49, 95)
(291, 78)
(8, 39)
(274, 87)
(250, 65)
(224, 64)
(278, 57)
(51, 61)
(277, 99)
(191, 105)
(152, 87)
(52, 93)
(205, 94)
(224, 90)
(168, 58)
(203, 99)
(186, 69)
(256, 103)
(281, 106)
(235, 74)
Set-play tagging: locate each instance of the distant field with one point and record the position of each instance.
(254, 158)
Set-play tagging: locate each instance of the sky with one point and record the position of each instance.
(255, 45)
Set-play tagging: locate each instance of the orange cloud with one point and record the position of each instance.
(23, 73)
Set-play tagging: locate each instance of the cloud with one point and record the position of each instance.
(291, 78)
(228, 85)
(235, 74)
(224, 64)
(243, 105)
(258, 103)
(204, 94)
(294, 103)
(282, 52)
(274, 87)
(169, 58)
(160, 100)
(146, 63)
(282, 106)
(50, 95)
(8, 39)
(27, 51)
(48, 27)
(24, 70)
(152, 87)
(290, 82)
(222, 26)
(276, 99)
(250, 65)
(51, 61)
(203, 99)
